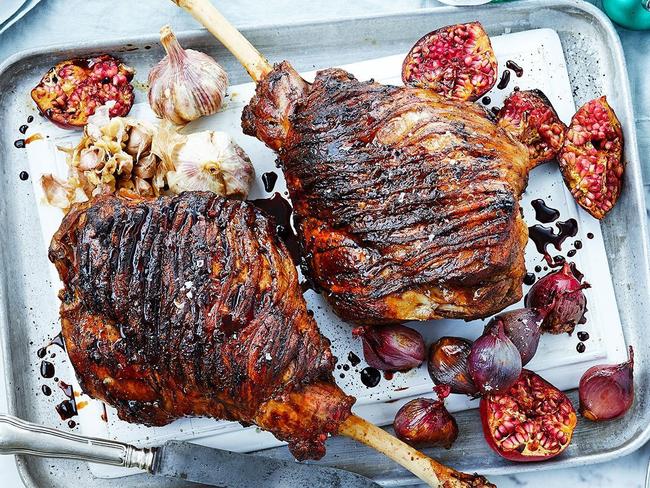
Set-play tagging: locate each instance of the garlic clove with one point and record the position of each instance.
(186, 84)
(90, 158)
(139, 140)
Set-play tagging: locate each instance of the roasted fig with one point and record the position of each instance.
(532, 421)
(456, 61)
(529, 116)
(591, 158)
(71, 91)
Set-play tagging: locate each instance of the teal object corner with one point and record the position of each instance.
(630, 14)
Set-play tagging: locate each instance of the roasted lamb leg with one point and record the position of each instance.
(190, 306)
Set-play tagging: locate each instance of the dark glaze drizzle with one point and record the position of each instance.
(23, 175)
(67, 408)
(353, 359)
(529, 278)
(269, 179)
(23, 128)
(577, 244)
(590, 235)
(19, 143)
(58, 341)
(47, 391)
(505, 79)
(370, 376)
(583, 336)
(486, 100)
(519, 71)
(581, 347)
(544, 213)
(542, 236)
(280, 209)
(30, 119)
(47, 369)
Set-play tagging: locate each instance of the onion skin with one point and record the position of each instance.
(494, 362)
(607, 391)
(522, 326)
(558, 296)
(392, 347)
(426, 423)
(447, 365)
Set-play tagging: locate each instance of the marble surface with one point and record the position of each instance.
(51, 23)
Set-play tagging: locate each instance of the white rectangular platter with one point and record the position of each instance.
(540, 53)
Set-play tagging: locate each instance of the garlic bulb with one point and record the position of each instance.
(204, 161)
(185, 84)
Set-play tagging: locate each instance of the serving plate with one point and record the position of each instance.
(595, 65)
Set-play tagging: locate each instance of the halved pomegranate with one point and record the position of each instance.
(70, 92)
(532, 421)
(529, 116)
(591, 157)
(456, 61)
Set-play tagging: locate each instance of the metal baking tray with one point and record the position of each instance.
(28, 303)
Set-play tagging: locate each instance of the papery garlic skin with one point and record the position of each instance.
(113, 154)
(204, 161)
(185, 84)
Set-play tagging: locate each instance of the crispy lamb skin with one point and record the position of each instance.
(190, 306)
(407, 203)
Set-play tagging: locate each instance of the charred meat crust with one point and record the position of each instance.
(190, 306)
(406, 202)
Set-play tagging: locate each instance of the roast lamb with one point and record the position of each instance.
(406, 203)
(189, 306)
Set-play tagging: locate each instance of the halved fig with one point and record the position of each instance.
(456, 61)
(591, 158)
(529, 116)
(532, 421)
(71, 91)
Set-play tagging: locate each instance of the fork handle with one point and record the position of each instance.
(20, 437)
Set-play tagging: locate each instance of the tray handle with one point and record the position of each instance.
(20, 437)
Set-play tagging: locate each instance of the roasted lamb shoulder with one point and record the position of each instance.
(190, 306)
(406, 203)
